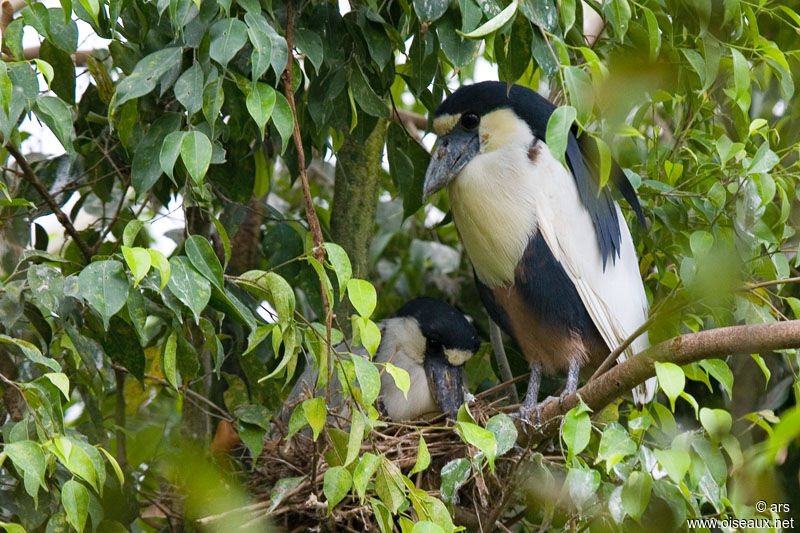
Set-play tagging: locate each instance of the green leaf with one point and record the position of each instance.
(12, 528)
(763, 160)
(615, 445)
(671, 379)
(364, 471)
(260, 103)
(371, 103)
(430, 9)
(557, 134)
(636, 493)
(654, 34)
(310, 45)
(459, 50)
(273, 288)
(281, 489)
(481, 438)
(701, 242)
(146, 167)
(315, 412)
(189, 89)
(61, 381)
(454, 474)
(283, 119)
(369, 379)
(604, 157)
(423, 457)
(362, 295)
(188, 285)
(356, 436)
(336, 485)
(76, 459)
(115, 466)
(494, 24)
(170, 150)
(369, 335)
(122, 346)
(278, 50)
(400, 376)
(340, 264)
(58, 118)
(577, 429)
(579, 90)
(717, 422)
(675, 461)
(504, 431)
(47, 288)
(130, 232)
(138, 260)
(46, 69)
(618, 12)
(213, 98)
(105, 287)
(425, 526)
(75, 499)
(227, 37)
(196, 154)
(170, 362)
(159, 260)
(203, 258)
(389, 485)
(29, 459)
(31, 352)
(145, 75)
(741, 78)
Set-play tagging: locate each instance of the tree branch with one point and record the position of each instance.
(311, 214)
(30, 176)
(682, 350)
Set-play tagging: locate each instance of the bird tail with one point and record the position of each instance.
(644, 392)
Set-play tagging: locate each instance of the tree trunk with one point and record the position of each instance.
(355, 198)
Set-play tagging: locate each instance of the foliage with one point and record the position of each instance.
(111, 359)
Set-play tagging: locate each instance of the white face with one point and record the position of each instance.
(498, 129)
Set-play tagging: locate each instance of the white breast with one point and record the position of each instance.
(493, 201)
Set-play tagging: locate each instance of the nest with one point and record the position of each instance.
(303, 507)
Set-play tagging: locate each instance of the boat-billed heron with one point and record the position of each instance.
(554, 261)
(428, 338)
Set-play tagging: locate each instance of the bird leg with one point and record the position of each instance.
(500, 357)
(529, 406)
(572, 380)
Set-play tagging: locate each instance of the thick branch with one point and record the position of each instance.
(720, 342)
(30, 176)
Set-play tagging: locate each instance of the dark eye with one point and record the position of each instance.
(470, 121)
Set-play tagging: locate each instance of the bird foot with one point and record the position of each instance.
(529, 415)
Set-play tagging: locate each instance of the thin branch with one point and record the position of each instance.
(311, 214)
(79, 58)
(769, 283)
(30, 176)
(108, 227)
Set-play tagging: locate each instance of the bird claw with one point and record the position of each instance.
(529, 416)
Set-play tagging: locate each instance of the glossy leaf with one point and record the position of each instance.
(188, 285)
(227, 37)
(75, 499)
(196, 154)
(105, 287)
(336, 485)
